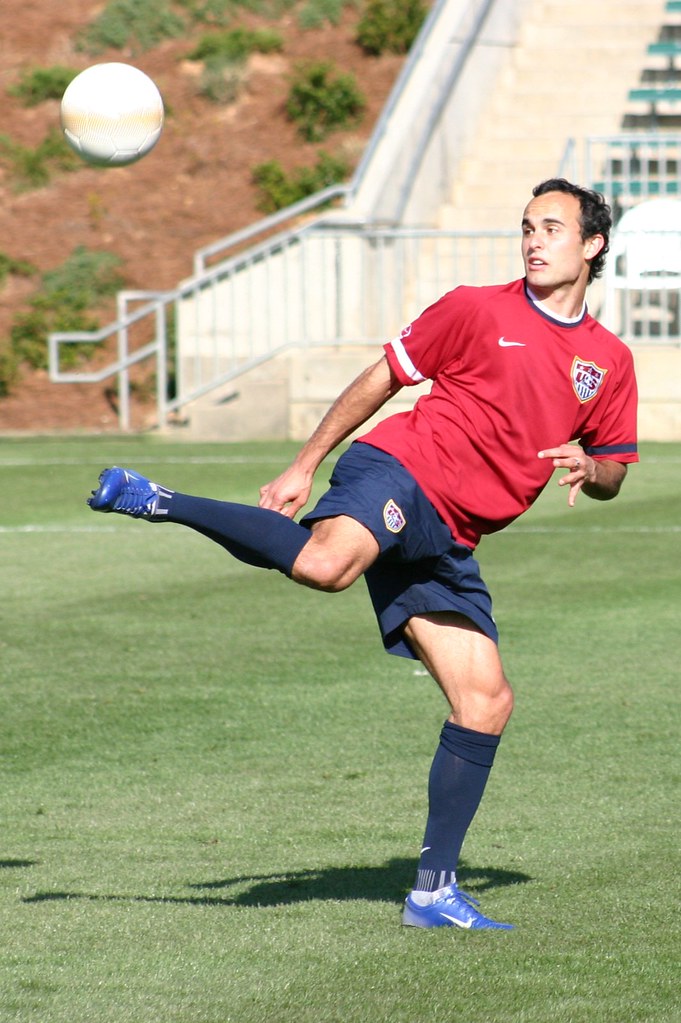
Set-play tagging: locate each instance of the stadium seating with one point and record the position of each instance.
(656, 102)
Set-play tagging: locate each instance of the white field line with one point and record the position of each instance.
(12, 463)
(511, 531)
(28, 463)
(14, 530)
(635, 530)
(149, 458)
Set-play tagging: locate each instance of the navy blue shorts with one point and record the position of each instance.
(420, 568)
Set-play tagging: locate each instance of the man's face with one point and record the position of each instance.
(553, 251)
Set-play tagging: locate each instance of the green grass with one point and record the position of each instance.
(213, 782)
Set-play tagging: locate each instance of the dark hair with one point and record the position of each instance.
(595, 216)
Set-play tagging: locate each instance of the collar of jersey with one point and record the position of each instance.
(564, 321)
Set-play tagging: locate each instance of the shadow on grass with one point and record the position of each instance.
(386, 883)
(9, 864)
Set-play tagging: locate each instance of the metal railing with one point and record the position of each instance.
(326, 283)
(642, 281)
(627, 168)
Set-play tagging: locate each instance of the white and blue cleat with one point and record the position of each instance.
(130, 493)
(450, 908)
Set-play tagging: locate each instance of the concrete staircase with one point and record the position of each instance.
(567, 76)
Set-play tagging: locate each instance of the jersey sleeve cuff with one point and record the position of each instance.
(615, 452)
(401, 364)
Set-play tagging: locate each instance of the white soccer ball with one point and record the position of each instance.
(112, 114)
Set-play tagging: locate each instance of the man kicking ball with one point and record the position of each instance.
(524, 381)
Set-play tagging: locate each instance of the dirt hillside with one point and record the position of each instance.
(194, 188)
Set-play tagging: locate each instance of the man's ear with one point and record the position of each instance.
(593, 246)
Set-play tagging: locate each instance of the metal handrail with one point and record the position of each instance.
(396, 93)
(267, 224)
(420, 145)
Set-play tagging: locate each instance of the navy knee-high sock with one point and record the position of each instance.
(457, 781)
(257, 536)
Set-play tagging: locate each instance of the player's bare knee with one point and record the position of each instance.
(505, 700)
(486, 708)
(321, 572)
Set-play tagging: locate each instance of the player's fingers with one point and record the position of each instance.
(289, 510)
(269, 499)
(273, 501)
(562, 451)
(565, 457)
(574, 490)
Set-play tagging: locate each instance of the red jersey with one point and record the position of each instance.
(508, 381)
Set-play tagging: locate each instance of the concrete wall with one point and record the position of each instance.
(287, 397)
(658, 371)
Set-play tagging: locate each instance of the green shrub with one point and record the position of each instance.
(41, 84)
(317, 12)
(32, 167)
(236, 44)
(322, 99)
(9, 371)
(29, 330)
(222, 12)
(84, 279)
(390, 26)
(56, 153)
(225, 53)
(209, 12)
(27, 167)
(279, 189)
(61, 304)
(19, 267)
(221, 81)
(140, 25)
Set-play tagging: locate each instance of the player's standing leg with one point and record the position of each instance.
(467, 666)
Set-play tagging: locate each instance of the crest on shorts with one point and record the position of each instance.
(587, 377)
(393, 517)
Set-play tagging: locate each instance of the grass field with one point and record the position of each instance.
(213, 782)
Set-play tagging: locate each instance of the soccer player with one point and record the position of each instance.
(524, 381)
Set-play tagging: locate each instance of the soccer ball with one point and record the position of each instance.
(112, 114)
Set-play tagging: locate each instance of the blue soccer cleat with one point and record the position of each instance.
(128, 492)
(450, 908)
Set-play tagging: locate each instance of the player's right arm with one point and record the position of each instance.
(357, 403)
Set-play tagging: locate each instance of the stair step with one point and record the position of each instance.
(597, 53)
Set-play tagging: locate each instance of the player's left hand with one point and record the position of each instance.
(581, 468)
(288, 492)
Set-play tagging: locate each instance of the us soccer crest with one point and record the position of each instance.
(587, 377)
(393, 516)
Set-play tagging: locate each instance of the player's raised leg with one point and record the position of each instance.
(256, 536)
(330, 556)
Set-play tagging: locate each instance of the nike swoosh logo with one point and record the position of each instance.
(503, 343)
(458, 923)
